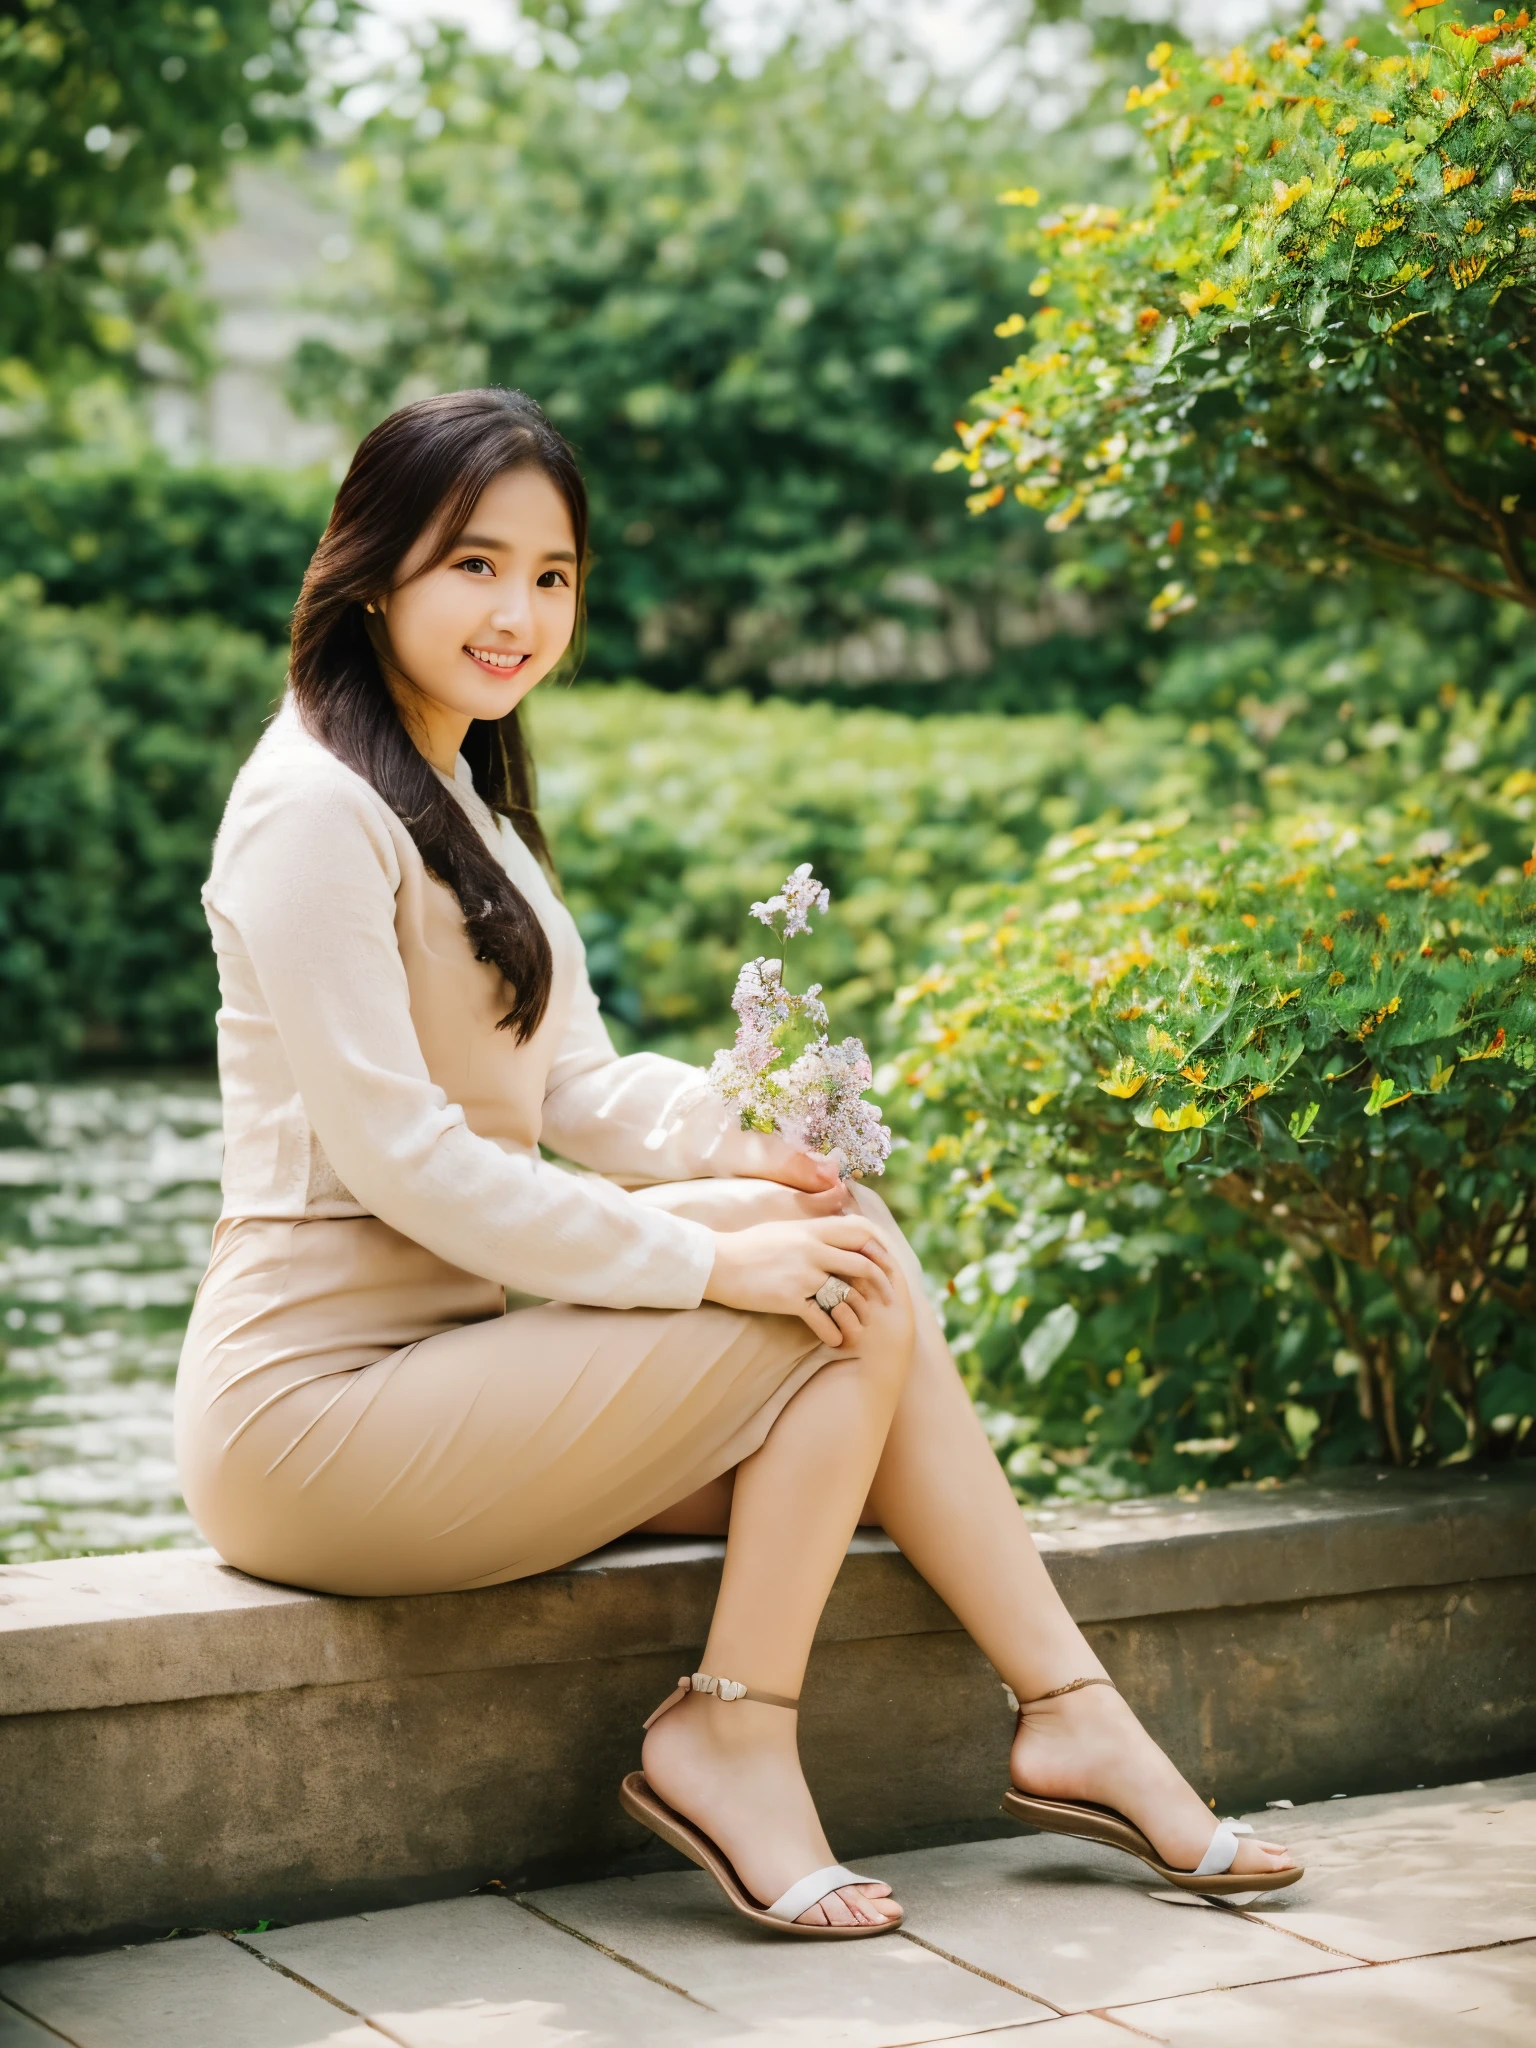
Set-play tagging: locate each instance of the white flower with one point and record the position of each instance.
(800, 895)
(817, 1101)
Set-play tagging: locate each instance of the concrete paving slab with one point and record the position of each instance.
(1079, 2030)
(484, 1973)
(1486, 1999)
(1408, 1873)
(863, 1994)
(1074, 1925)
(17, 2031)
(179, 1994)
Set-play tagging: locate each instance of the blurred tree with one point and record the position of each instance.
(750, 301)
(118, 119)
(1308, 347)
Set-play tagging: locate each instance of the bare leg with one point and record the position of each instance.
(941, 1494)
(733, 1769)
(939, 1491)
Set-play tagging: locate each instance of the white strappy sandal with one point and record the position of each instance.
(783, 1916)
(1212, 1875)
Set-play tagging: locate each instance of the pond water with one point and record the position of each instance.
(108, 1196)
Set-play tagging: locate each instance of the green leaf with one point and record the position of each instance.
(1300, 1121)
(1047, 1341)
(1385, 1094)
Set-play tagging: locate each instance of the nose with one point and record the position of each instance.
(513, 609)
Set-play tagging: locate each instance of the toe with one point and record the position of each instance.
(853, 1906)
(1254, 1856)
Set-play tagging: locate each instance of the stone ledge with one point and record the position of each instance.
(176, 1624)
(181, 1746)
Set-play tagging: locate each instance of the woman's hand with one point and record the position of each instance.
(775, 1269)
(764, 1155)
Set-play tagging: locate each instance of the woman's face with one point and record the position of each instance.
(471, 635)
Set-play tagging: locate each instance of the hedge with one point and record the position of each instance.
(120, 737)
(154, 538)
(1237, 1123)
(122, 733)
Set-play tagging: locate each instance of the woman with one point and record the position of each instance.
(405, 1017)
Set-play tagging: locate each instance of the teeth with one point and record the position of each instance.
(497, 660)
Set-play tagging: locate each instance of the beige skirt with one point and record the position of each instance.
(355, 1415)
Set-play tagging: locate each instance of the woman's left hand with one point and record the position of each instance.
(764, 1155)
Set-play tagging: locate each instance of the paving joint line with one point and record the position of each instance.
(37, 2020)
(976, 2034)
(1309, 1976)
(1100, 2012)
(1255, 1919)
(282, 1970)
(613, 1954)
(1003, 1984)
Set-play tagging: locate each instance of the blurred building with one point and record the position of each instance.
(262, 273)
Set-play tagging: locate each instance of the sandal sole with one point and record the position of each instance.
(653, 1812)
(1102, 1824)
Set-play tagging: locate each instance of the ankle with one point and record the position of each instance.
(726, 1730)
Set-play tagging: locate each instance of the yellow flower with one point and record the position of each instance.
(1209, 294)
(1038, 1103)
(1123, 1081)
(1014, 324)
(1286, 196)
(1021, 195)
(1185, 1118)
(1454, 176)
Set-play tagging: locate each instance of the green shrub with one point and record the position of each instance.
(120, 121)
(750, 297)
(1241, 1129)
(669, 815)
(120, 738)
(153, 538)
(1306, 346)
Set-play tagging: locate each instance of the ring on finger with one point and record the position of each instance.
(832, 1293)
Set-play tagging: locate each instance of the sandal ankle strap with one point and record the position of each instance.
(1056, 1692)
(726, 1689)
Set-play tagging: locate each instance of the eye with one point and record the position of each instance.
(475, 565)
(553, 579)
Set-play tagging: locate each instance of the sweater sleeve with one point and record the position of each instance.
(642, 1116)
(307, 892)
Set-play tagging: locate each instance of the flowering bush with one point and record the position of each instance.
(817, 1097)
(1241, 1126)
(1309, 342)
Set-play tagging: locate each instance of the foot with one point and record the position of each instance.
(734, 1771)
(1089, 1745)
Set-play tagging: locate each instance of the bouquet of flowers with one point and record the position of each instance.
(783, 1073)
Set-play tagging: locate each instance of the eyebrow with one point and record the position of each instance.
(501, 547)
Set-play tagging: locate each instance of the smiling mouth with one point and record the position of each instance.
(500, 664)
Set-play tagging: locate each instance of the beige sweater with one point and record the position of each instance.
(363, 1074)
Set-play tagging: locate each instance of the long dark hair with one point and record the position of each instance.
(425, 466)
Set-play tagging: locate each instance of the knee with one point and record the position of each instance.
(890, 1330)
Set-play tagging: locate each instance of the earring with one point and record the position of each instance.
(370, 607)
